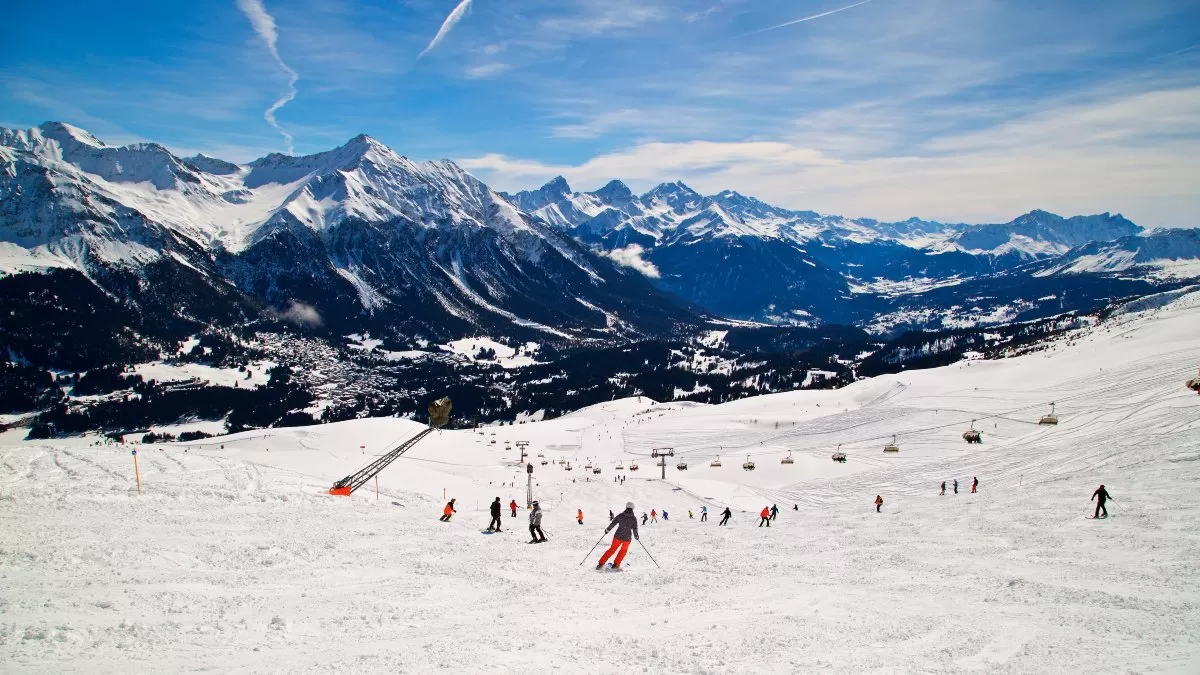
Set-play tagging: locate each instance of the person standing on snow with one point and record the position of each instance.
(795, 507)
(974, 485)
(535, 525)
(878, 503)
(653, 516)
(726, 515)
(513, 505)
(704, 514)
(1100, 496)
(690, 516)
(626, 524)
(774, 511)
(447, 512)
(943, 492)
(494, 526)
(955, 486)
(766, 516)
(664, 514)
(645, 517)
(579, 515)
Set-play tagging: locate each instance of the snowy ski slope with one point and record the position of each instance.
(234, 559)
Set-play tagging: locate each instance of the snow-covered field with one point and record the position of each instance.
(234, 558)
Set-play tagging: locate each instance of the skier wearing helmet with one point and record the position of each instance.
(626, 524)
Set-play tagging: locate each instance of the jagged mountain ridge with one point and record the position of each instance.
(359, 235)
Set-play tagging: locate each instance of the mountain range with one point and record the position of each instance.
(360, 239)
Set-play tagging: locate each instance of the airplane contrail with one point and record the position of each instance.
(451, 21)
(809, 18)
(264, 25)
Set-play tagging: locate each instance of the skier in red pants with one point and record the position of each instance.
(626, 524)
(974, 485)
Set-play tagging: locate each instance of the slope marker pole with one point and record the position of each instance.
(136, 474)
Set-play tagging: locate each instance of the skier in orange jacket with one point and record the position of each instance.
(579, 515)
(766, 516)
(447, 512)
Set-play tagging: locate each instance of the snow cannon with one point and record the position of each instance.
(439, 412)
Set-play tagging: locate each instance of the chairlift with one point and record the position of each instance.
(568, 466)
(662, 452)
(588, 465)
(1051, 418)
(545, 462)
(620, 466)
(633, 466)
(839, 456)
(788, 459)
(892, 447)
(716, 462)
(596, 470)
(1193, 384)
(748, 465)
(682, 466)
(971, 435)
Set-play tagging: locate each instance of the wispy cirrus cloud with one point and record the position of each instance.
(793, 22)
(458, 14)
(264, 25)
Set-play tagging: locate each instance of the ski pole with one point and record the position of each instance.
(589, 553)
(648, 553)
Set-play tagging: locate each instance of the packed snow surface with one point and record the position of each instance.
(235, 558)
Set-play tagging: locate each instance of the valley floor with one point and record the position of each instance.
(234, 559)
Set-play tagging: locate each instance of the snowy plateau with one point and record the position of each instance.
(234, 558)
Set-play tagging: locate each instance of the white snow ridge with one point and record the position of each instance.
(234, 557)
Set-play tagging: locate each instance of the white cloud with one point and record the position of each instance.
(1135, 153)
(264, 25)
(459, 12)
(300, 314)
(631, 257)
(486, 70)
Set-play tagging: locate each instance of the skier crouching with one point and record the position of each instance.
(448, 511)
(626, 524)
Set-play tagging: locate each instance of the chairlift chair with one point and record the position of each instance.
(839, 456)
(892, 447)
(971, 435)
(716, 462)
(1051, 418)
(596, 470)
(620, 466)
(788, 459)
(682, 466)
(633, 466)
(568, 466)
(748, 465)
(1193, 384)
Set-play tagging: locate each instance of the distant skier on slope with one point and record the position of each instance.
(644, 517)
(878, 503)
(955, 486)
(579, 515)
(535, 525)
(494, 526)
(795, 507)
(704, 514)
(974, 484)
(690, 516)
(653, 516)
(766, 516)
(626, 524)
(726, 515)
(774, 511)
(943, 492)
(513, 506)
(665, 515)
(448, 511)
(1100, 496)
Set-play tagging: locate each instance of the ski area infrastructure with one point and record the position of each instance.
(229, 554)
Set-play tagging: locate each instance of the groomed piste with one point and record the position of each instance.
(235, 557)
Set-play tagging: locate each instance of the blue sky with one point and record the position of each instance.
(973, 110)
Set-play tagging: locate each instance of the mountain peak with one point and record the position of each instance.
(615, 192)
(66, 133)
(557, 185)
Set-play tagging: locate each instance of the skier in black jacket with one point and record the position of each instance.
(1100, 496)
(725, 515)
(626, 524)
(495, 524)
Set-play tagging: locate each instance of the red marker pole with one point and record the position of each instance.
(136, 474)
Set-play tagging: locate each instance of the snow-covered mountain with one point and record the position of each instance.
(747, 259)
(359, 237)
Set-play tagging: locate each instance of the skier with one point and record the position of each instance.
(644, 517)
(1100, 496)
(494, 526)
(579, 515)
(766, 516)
(626, 524)
(664, 514)
(610, 515)
(878, 503)
(447, 512)
(774, 512)
(690, 516)
(535, 525)
(974, 485)
(727, 514)
(943, 492)
(653, 516)
(513, 505)
(795, 507)
(704, 514)
(955, 486)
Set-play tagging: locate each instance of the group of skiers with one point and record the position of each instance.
(974, 486)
